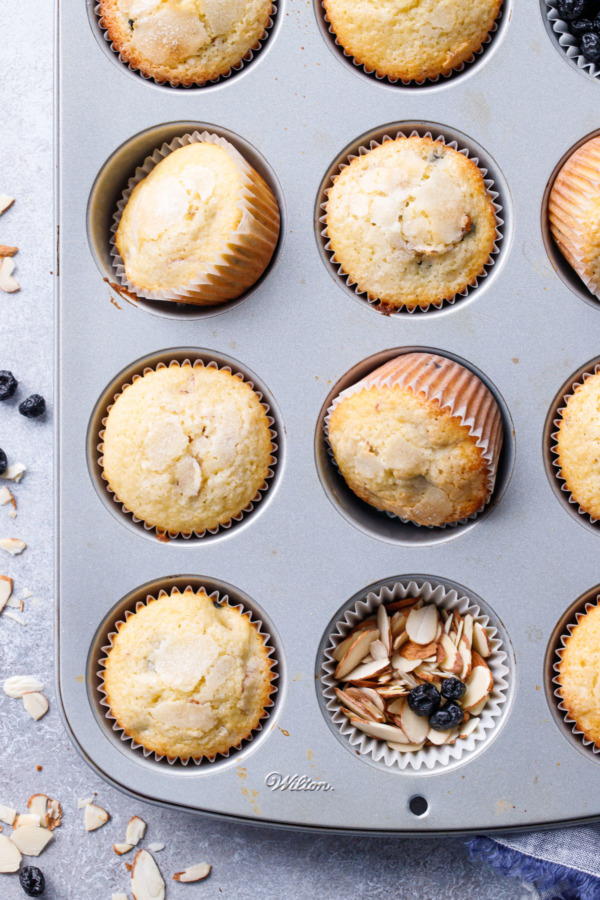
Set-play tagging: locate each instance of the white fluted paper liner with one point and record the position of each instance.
(554, 448)
(431, 758)
(388, 79)
(568, 42)
(172, 535)
(244, 254)
(490, 187)
(556, 680)
(223, 601)
(471, 402)
(247, 58)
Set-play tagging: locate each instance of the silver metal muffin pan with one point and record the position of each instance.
(310, 547)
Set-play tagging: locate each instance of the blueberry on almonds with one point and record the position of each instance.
(33, 407)
(8, 385)
(569, 10)
(590, 47)
(449, 716)
(3, 462)
(582, 26)
(453, 688)
(424, 699)
(32, 881)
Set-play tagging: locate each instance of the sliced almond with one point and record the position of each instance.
(31, 839)
(6, 496)
(8, 284)
(27, 819)
(367, 670)
(48, 810)
(14, 473)
(421, 625)
(7, 815)
(481, 641)
(468, 630)
(379, 730)
(414, 727)
(121, 849)
(18, 685)
(356, 652)
(398, 623)
(10, 855)
(467, 656)
(411, 650)
(378, 650)
(6, 586)
(5, 202)
(468, 728)
(479, 685)
(136, 829)
(405, 603)
(342, 647)
(383, 625)
(194, 873)
(403, 665)
(54, 814)
(14, 546)
(36, 704)
(85, 801)
(146, 881)
(373, 697)
(479, 661)
(95, 817)
(441, 737)
(405, 748)
(5, 250)
(479, 707)
(156, 847)
(400, 640)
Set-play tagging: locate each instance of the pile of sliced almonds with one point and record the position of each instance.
(408, 643)
(32, 831)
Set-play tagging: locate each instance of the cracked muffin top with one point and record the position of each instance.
(187, 448)
(184, 42)
(411, 222)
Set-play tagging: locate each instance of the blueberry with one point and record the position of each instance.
(590, 47)
(453, 688)
(424, 699)
(3, 462)
(33, 407)
(8, 385)
(448, 716)
(569, 10)
(32, 881)
(582, 26)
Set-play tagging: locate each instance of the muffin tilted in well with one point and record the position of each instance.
(186, 677)
(578, 674)
(411, 222)
(420, 438)
(412, 40)
(184, 42)
(200, 227)
(578, 445)
(574, 213)
(187, 448)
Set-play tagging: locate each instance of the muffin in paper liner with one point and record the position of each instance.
(554, 448)
(568, 42)
(442, 77)
(163, 534)
(242, 258)
(574, 192)
(244, 61)
(218, 599)
(456, 389)
(382, 306)
(429, 758)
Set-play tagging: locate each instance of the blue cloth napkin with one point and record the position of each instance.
(563, 864)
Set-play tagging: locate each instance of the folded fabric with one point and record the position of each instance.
(563, 864)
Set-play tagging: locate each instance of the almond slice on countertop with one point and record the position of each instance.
(6, 587)
(481, 641)
(31, 839)
(95, 817)
(7, 815)
(48, 810)
(479, 685)
(136, 829)
(5, 250)
(121, 849)
(469, 727)
(6, 496)
(18, 685)
(193, 873)
(356, 652)
(36, 704)
(10, 855)
(27, 819)
(5, 202)
(156, 848)
(383, 626)
(14, 546)
(405, 748)
(146, 881)
(14, 472)
(8, 284)
(381, 731)
(421, 625)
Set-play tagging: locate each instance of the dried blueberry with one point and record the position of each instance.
(453, 688)
(569, 10)
(449, 716)
(8, 385)
(582, 26)
(424, 699)
(3, 462)
(590, 47)
(33, 407)
(32, 881)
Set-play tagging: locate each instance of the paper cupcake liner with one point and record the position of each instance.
(216, 598)
(456, 389)
(556, 680)
(247, 58)
(568, 42)
(429, 757)
(388, 79)
(381, 305)
(577, 179)
(161, 533)
(243, 256)
(554, 446)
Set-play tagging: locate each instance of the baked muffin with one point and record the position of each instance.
(578, 674)
(184, 42)
(200, 228)
(402, 445)
(186, 677)
(411, 222)
(574, 213)
(412, 40)
(578, 443)
(186, 449)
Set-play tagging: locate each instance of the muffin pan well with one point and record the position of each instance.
(309, 549)
(566, 43)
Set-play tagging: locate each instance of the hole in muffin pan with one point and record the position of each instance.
(373, 751)
(474, 151)
(418, 805)
(151, 361)
(458, 76)
(550, 457)
(375, 522)
(250, 59)
(569, 617)
(563, 269)
(566, 44)
(112, 180)
(236, 597)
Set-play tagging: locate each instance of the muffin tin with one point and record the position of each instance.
(310, 549)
